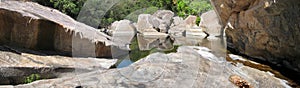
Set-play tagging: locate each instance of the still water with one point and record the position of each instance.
(141, 47)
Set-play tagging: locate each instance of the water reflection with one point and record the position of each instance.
(142, 46)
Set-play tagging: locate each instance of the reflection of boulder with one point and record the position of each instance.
(210, 23)
(147, 43)
(190, 66)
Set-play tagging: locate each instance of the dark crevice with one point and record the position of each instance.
(46, 35)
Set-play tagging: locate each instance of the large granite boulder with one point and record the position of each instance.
(190, 21)
(210, 23)
(164, 18)
(32, 26)
(264, 29)
(186, 27)
(191, 66)
(17, 64)
(144, 23)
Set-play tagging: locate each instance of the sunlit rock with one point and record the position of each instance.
(32, 26)
(15, 67)
(188, 67)
(210, 23)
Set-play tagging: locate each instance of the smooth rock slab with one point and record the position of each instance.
(190, 67)
(32, 26)
(14, 68)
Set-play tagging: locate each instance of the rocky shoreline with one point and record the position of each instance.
(29, 33)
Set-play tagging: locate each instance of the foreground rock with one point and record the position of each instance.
(14, 67)
(189, 67)
(32, 26)
(268, 30)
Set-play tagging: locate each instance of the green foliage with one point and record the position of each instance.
(69, 7)
(192, 7)
(198, 20)
(104, 12)
(130, 9)
(32, 77)
(133, 16)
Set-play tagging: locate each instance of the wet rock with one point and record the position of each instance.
(32, 26)
(191, 66)
(210, 23)
(267, 30)
(14, 68)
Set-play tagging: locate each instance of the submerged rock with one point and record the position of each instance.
(264, 29)
(191, 66)
(32, 26)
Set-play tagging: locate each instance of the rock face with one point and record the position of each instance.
(190, 21)
(15, 67)
(264, 29)
(210, 23)
(32, 26)
(144, 23)
(190, 67)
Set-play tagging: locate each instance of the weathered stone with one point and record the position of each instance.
(190, 21)
(177, 21)
(264, 29)
(190, 67)
(180, 26)
(195, 33)
(165, 15)
(154, 41)
(144, 23)
(210, 23)
(30, 25)
(123, 32)
(14, 68)
(163, 28)
(177, 30)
